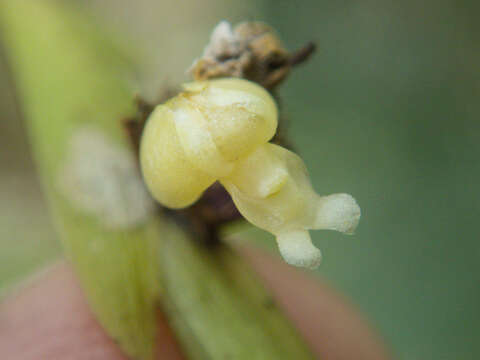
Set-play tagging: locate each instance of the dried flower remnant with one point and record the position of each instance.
(220, 130)
(250, 50)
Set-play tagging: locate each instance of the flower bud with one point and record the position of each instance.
(195, 138)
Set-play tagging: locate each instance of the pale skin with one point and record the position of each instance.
(49, 319)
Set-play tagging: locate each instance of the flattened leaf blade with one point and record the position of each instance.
(70, 75)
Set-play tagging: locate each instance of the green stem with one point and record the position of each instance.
(70, 78)
(218, 307)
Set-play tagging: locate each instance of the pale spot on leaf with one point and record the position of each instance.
(101, 178)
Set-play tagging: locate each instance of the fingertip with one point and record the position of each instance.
(49, 318)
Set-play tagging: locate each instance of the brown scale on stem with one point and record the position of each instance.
(250, 50)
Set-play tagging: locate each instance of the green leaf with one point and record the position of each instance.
(70, 77)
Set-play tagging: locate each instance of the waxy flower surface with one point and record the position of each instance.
(219, 130)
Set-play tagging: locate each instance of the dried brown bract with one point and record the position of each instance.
(250, 50)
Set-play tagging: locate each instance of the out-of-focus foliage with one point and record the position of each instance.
(389, 105)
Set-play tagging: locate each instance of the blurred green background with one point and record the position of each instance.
(387, 110)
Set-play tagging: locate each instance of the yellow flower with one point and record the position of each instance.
(219, 130)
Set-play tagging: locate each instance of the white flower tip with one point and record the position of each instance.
(338, 212)
(297, 249)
